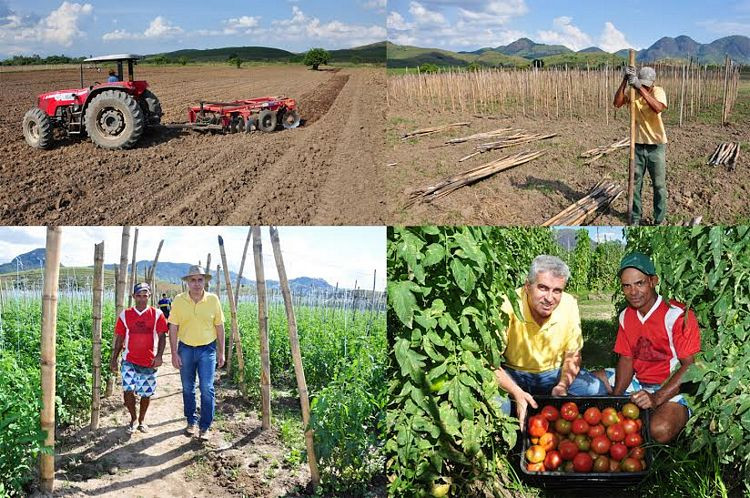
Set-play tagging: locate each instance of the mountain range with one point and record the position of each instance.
(165, 271)
(521, 52)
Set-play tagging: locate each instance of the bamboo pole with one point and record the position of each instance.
(233, 310)
(218, 280)
(133, 271)
(265, 361)
(724, 114)
(152, 272)
(206, 286)
(296, 356)
(682, 93)
(631, 163)
(96, 333)
(48, 352)
(230, 344)
(122, 277)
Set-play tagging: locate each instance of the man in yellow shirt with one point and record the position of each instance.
(197, 322)
(650, 138)
(543, 345)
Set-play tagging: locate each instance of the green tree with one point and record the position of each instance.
(474, 67)
(429, 68)
(235, 60)
(605, 262)
(580, 262)
(315, 57)
(182, 60)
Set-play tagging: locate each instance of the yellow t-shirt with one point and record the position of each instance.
(196, 321)
(649, 127)
(536, 349)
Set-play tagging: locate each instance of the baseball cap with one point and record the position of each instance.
(141, 287)
(647, 75)
(639, 261)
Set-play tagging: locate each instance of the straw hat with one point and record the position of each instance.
(197, 270)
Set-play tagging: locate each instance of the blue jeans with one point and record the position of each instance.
(200, 359)
(585, 384)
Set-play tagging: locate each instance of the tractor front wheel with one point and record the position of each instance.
(267, 121)
(37, 129)
(114, 120)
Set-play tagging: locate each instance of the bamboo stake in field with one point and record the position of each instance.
(49, 335)
(206, 285)
(218, 280)
(122, 278)
(96, 334)
(233, 310)
(296, 356)
(265, 360)
(133, 271)
(152, 272)
(724, 113)
(631, 162)
(237, 296)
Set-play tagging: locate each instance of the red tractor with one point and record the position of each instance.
(114, 113)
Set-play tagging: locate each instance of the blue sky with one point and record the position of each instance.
(612, 25)
(88, 27)
(336, 254)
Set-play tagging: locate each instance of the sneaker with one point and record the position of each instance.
(131, 427)
(190, 429)
(204, 435)
(142, 427)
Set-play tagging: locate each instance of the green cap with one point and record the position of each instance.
(639, 261)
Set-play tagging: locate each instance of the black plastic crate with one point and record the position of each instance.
(591, 479)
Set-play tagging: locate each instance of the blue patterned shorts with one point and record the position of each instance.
(636, 386)
(140, 379)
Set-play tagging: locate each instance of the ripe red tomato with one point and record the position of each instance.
(633, 440)
(615, 432)
(538, 425)
(639, 453)
(550, 413)
(582, 462)
(630, 465)
(592, 415)
(618, 451)
(640, 424)
(595, 430)
(562, 426)
(631, 410)
(601, 464)
(569, 411)
(535, 454)
(601, 444)
(549, 441)
(609, 416)
(568, 449)
(553, 460)
(535, 467)
(579, 426)
(629, 426)
(582, 442)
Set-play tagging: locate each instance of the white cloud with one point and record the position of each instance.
(726, 28)
(375, 4)
(61, 27)
(612, 40)
(495, 13)
(396, 22)
(159, 28)
(565, 33)
(424, 17)
(301, 26)
(242, 22)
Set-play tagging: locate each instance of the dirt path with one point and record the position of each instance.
(239, 458)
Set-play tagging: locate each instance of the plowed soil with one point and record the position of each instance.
(323, 172)
(531, 193)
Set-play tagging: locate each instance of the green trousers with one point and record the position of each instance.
(652, 158)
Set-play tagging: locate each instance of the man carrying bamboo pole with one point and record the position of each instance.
(140, 330)
(650, 138)
(197, 322)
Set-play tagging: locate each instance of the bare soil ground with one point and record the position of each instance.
(531, 193)
(239, 459)
(324, 172)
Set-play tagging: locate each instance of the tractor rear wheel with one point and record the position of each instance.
(291, 119)
(151, 107)
(114, 120)
(267, 120)
(37, 129)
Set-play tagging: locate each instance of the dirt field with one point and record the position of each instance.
(324, 172)
(533, 192)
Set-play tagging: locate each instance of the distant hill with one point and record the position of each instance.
(27, 261)
(522, 51)
(373, 53)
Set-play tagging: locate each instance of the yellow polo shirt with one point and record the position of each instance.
(649, 127)
(535, 349)
(197, 321)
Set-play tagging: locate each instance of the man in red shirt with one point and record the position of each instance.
(657, 341)
(141, 331)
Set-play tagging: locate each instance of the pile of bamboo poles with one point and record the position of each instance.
(482, 136)
(600, 197)
(602, 150)
(448, 185)
(516, 139)
(725, 153)
(422, 132)
(692, 221)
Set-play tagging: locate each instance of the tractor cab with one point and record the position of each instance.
(119, 59)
